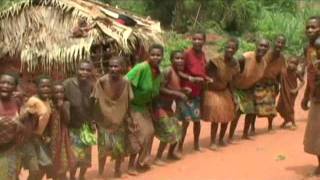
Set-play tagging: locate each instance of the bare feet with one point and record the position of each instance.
(132, 172)
(117, 174)
(197, 147)
(213, 147)
(159, 162)
(174, 156)
(246, 137)
(222, 143)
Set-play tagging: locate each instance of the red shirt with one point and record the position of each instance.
(194, 66)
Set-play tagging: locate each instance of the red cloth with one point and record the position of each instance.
(194, 66)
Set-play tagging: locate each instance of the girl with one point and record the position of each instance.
(167, 127)
(145, 81)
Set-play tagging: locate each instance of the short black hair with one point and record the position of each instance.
(86, 62)
(317, 18)
(234, 40)
(121, 59)
(42, 77)
(174, 52)
(200, 32)
(156, 46)
(262, 39)
(14, 75)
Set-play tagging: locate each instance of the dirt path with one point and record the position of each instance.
(275, 155)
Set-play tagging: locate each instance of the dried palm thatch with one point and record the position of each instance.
(42, 32)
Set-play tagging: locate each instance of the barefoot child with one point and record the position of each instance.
(61, 152)
(218, 104)
(167, 127)
(39, 107)
(195, 63)
(113, 94)
(289, 90)
(145, 80)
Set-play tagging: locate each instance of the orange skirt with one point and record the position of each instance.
(218, 106)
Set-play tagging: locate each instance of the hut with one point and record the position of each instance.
(53, 36)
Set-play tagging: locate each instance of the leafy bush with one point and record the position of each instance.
(173, 41)
(272, 23)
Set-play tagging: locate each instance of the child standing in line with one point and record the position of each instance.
(288, 91)
(167, 127)
(195, 74)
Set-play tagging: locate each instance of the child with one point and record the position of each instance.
(113, 94)
(167, 127)
(195, 75)
(145, 81)
(288, 91)
(61, 153)
(218, 104)
(39, 107)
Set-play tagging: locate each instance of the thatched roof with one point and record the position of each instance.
(42, 32)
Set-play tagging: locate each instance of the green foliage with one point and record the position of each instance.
(173, 41)
(272, 23)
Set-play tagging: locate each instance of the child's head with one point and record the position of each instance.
(177, 59)
(293, 63)
(8, 84)
(198, 40)
(262, 47)
(116, 66)
(313, 27)
(155, 55)
(280, 43)
(231, 48)
(44, 86)
(58, 91)
(85, 70)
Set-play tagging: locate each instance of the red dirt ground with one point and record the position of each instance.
(275, 155)
(270, 155)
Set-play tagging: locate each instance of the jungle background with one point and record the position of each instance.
(245, 19)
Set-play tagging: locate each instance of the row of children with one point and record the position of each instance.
(51, 133)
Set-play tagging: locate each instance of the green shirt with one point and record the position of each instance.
(145, 86)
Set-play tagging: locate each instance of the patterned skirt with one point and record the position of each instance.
(245, 100)
(9, 164)
(265, 99)
(190, 109)
(82, 152)
(111, 143)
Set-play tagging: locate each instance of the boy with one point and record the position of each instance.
(113, 94)
(288, 91)
(195, 76)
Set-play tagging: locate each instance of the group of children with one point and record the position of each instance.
(52, 132)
